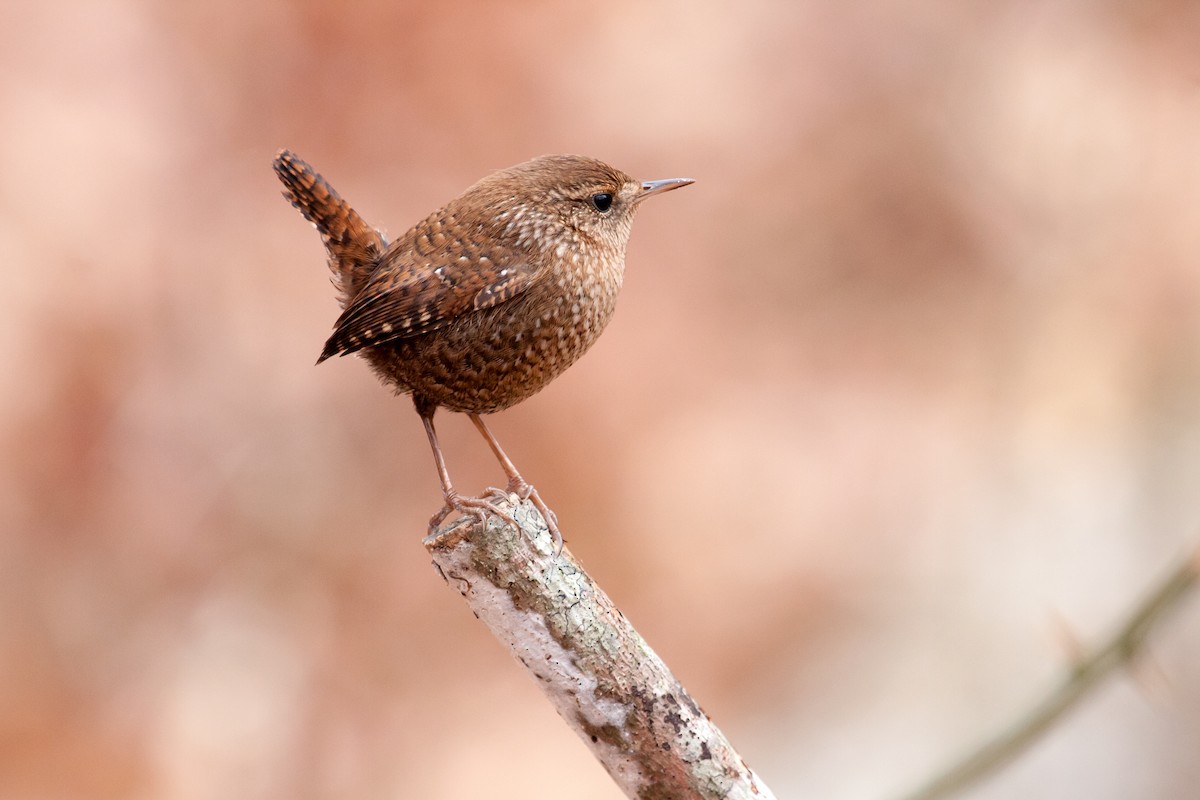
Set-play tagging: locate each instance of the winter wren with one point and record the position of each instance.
(487, 299)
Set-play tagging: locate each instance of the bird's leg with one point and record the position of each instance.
(476, 506)
(518, 485)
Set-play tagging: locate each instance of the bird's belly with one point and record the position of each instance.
(490, 360)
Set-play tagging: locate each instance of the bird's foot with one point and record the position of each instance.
(477, 507)
(525, 491)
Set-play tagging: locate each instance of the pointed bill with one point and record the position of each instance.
(658, 187)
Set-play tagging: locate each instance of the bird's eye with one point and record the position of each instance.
(602, 201)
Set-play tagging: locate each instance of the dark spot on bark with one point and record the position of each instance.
(609, 734)
(645, 700)
(673, 717)
(691, 704)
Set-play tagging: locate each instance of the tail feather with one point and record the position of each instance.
(354, 246)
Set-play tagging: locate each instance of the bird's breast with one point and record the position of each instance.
(571, 309)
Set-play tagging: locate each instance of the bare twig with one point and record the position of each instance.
(605, 681)
(1120, 648)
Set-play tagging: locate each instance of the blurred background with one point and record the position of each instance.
(901, 397)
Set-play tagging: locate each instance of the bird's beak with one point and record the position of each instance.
(658, 187)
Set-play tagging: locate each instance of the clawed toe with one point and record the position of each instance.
(520, 488)
(478, 507)
(481, 507)
(526, 492)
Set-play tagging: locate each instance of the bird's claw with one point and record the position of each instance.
(477, 507)
(481, 507)
(524, 490)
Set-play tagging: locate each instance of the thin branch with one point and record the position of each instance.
(601, 676)
(1119, 649)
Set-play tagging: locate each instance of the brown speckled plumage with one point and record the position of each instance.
(488, 299)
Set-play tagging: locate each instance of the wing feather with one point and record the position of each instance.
(427, 279)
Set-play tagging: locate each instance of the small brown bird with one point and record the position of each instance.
(487, 299)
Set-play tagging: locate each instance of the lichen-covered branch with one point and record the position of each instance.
(603, 678)
(1119, 649)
